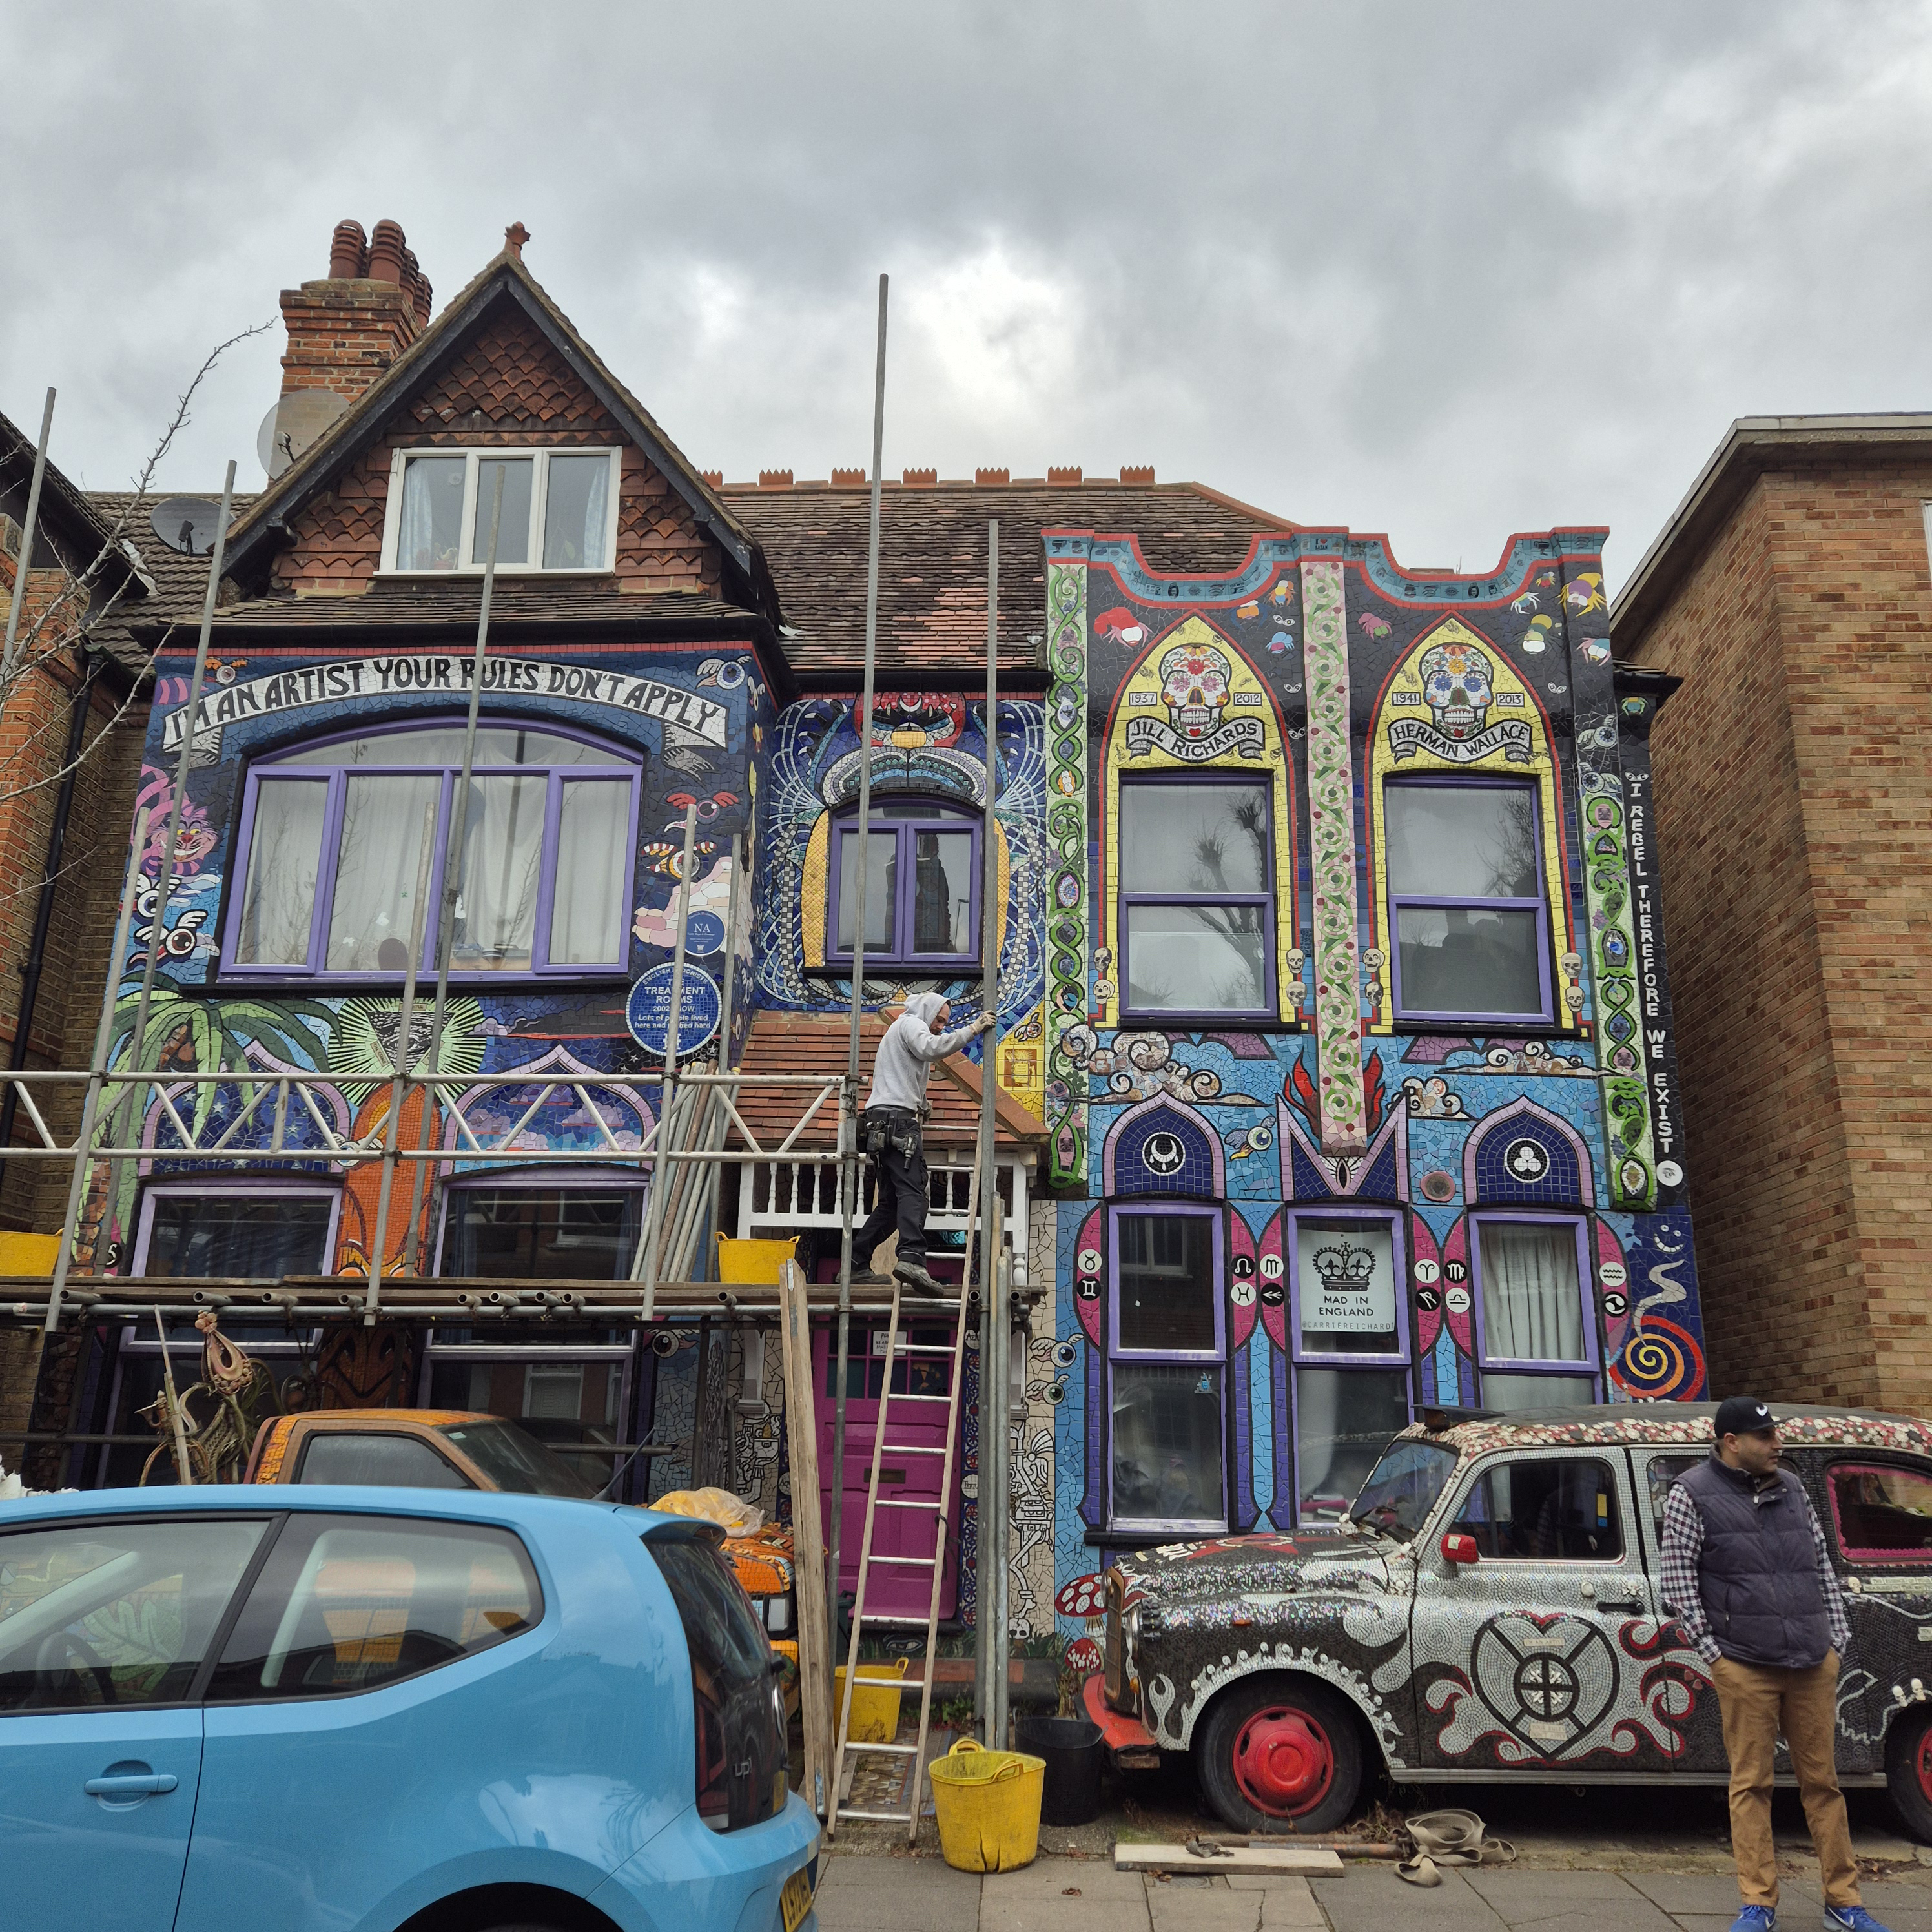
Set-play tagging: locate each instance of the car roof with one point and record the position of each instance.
(434, 1418)
(1668, 1424)
(502, 1506)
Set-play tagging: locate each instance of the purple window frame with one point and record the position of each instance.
(943, 817)
(1217, 1358)
(1127, 900)
(1312, 1358)
(590, 1178)
(203, 1186)
(1589, 1365)
(1545, 1014)
(625, 768)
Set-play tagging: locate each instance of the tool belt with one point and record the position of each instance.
(883, 1127)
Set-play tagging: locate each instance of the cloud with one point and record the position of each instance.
(1445, 273)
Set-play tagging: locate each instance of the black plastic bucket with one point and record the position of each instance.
(1074, 1752)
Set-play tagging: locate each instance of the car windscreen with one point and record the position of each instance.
(1402, 1487)
(514, 1460)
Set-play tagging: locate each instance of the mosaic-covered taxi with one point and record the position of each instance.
(1488, 1611)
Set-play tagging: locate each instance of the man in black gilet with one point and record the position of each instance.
(1746, 1572)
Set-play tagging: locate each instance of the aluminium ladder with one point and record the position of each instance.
(940, 1514)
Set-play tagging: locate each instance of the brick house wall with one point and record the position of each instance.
(1794, 814)
(33, 728)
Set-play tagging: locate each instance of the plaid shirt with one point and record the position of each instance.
(1683, 1545)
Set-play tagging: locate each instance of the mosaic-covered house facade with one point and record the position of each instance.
(1334, 1053)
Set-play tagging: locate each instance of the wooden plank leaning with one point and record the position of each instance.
(815, 1634)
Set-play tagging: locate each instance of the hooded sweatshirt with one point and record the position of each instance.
(907, 1053)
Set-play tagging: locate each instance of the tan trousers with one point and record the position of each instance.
(1758, 1703)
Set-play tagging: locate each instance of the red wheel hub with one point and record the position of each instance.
(1285, 1764)
(1921, 1760)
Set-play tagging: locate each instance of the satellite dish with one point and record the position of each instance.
(186, 523)
(295, 421)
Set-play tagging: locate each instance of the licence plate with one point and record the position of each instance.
(795, 1901)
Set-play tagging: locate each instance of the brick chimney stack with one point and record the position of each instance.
(344, 332)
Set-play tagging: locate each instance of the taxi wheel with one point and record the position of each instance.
(1908, 1771)
(1280, 1753)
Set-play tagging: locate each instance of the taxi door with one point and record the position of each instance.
(1539, 1652)
(1875, 1508)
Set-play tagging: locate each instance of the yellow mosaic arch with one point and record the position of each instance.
(1508, 736)
(1241, 734)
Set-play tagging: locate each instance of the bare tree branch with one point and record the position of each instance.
(67, 620)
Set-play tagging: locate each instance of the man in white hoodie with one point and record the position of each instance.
(889, 1131)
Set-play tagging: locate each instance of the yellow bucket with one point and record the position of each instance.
(754, 1262)
(875, 1714)
(988, 1803)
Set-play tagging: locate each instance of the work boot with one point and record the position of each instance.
(865, 1277)
(914, 1274)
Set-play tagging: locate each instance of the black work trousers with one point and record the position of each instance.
(892, 1139)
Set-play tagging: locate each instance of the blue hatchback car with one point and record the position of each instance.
(346, 1707)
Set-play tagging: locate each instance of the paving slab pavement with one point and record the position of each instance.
(1568, 1901)
(895, 1895)
(1062, 1895)
(860, 1893)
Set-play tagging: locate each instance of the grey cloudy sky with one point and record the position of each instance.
(1443, 271)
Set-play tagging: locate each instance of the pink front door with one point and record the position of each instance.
(892, 1589)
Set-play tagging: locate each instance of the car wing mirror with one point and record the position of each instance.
(1459, 1549)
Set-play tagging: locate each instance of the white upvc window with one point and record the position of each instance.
(560, 510)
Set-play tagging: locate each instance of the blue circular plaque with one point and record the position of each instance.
(647, 1012)
(704, 934)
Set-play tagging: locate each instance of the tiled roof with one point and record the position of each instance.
(79, 523)
(136, 623)
(815, 1044)
(181, 581)
(550, 601)
(932, 563)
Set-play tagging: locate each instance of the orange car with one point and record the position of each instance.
(457, 1449)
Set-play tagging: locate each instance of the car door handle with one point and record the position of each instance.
(131, 1784)
(1635, 1606)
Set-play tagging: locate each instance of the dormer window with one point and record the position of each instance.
(560, 509)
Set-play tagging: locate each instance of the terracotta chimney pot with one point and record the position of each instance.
(848, 479)
(1064, 472)
(386, 250)
(348, 253)
(344, 332)
(1137, 474)
(919, 479)
(985, 479)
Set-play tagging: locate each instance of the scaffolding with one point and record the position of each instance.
(263, 1119)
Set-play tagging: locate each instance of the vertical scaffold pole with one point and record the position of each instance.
(90, 1106)
(848, 1110)
(8, 663)
(455, 835)
(645, 1269)
(400, 1078)
(127, 1107)
(992, 1544)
